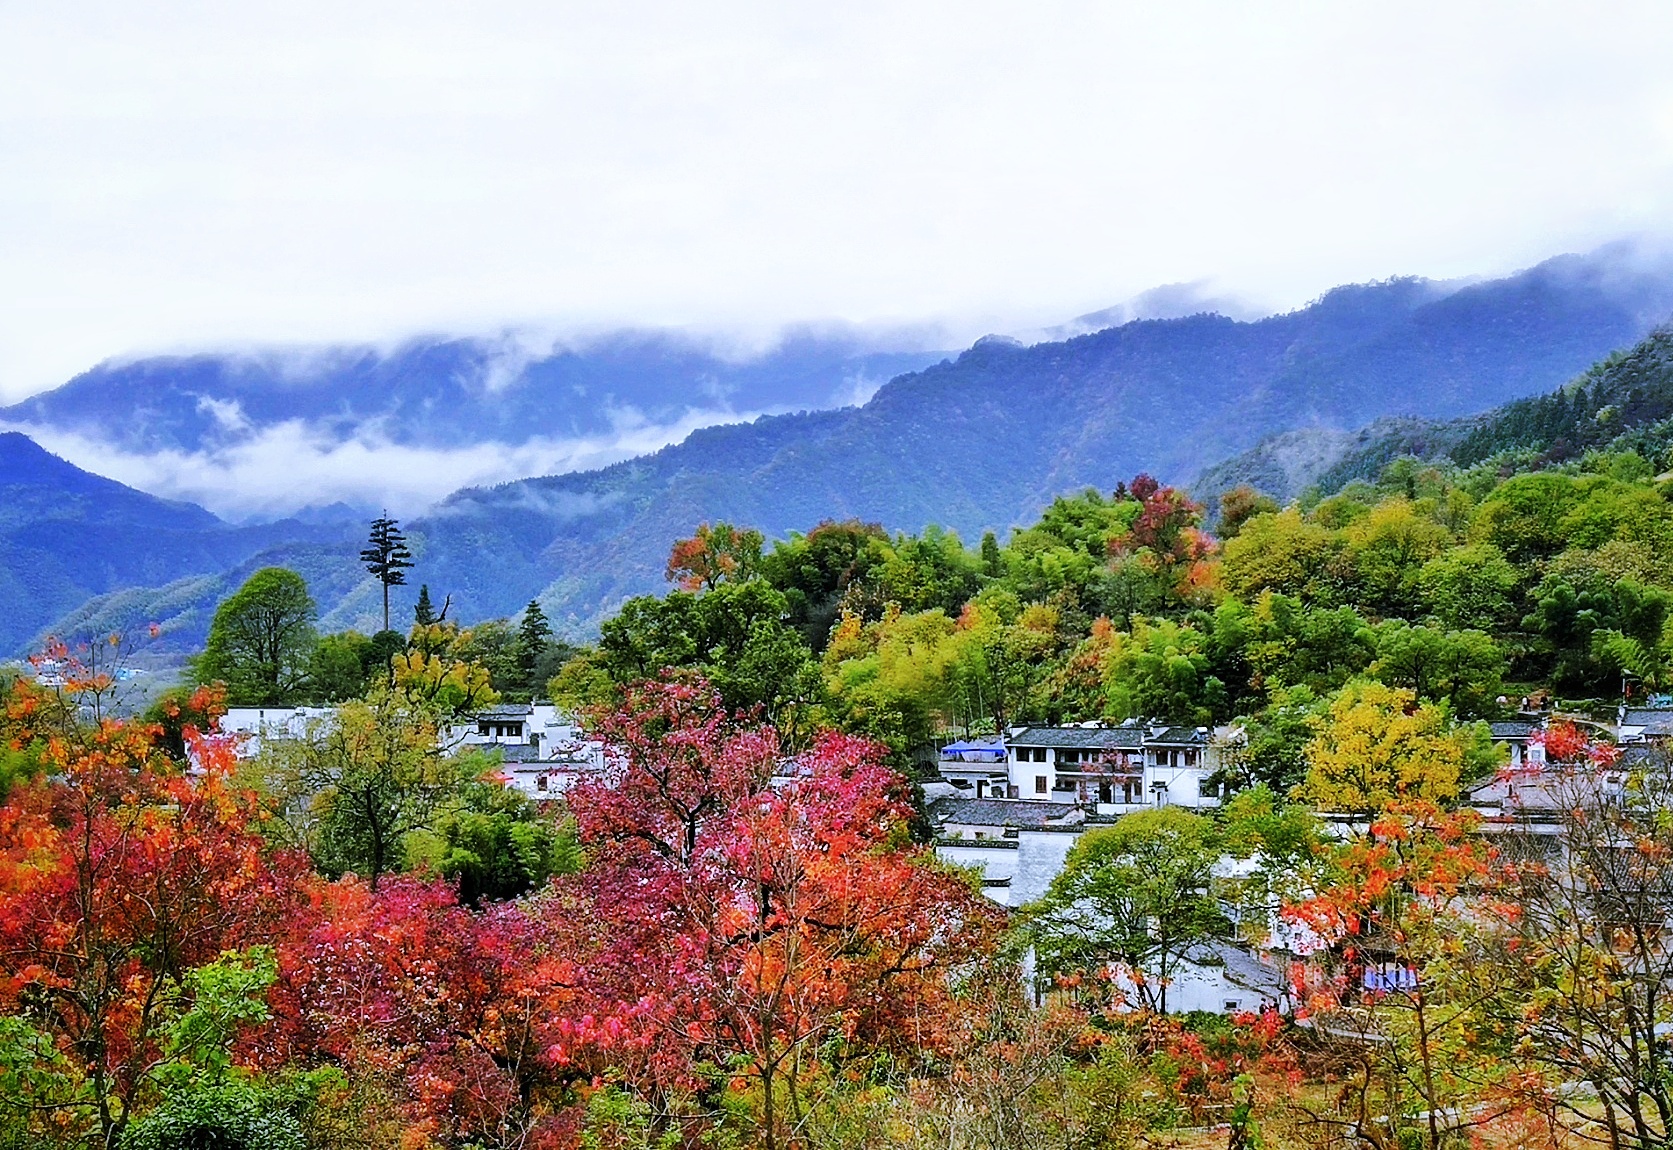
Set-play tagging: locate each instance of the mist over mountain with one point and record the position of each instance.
(67, 536)
(275, 432)
(986, 439)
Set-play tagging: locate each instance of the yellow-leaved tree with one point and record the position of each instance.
(1378, 744)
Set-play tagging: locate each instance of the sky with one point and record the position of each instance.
(178, 175)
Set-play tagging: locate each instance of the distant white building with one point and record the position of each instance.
(256, 725)
(1019, 846)
(1107, 769)
(544, 750)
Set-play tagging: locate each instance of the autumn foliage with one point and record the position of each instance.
(746, 920)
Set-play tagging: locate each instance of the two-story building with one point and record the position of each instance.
(1113, 769)
(543, 750)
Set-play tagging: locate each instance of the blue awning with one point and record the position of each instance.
(975, 752)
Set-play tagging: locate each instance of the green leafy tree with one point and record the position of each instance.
(1285, 553)
(1296, 645)
(736, 635)
(498, 845)
(386, 557)
(1461, 668)
(1473, 586)
(1162, 670)
(261, 641)
(1389, 546)
(814, 572)
(1273, 752)
(339, 667)
(1136, 897)
(354, 789)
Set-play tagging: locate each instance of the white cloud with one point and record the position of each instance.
(290, 465)
(177, 174)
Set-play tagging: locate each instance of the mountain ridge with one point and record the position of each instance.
(985, 439)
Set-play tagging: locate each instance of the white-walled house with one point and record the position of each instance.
(254, 725)
(1019, 846)
(1521, 740)
(977, 767)
(544, 750)
(1113, 769)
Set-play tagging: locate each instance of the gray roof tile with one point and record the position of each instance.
(1096, 738)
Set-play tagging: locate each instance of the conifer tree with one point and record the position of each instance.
(532, 636)
(424, 612)
(386, 557)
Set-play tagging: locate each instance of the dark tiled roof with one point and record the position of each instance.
(1637, 757)
(1095, 738)
(505, 712)
(1020, 813)
(1653, 722)
(518, 752)
(1181, 735)
(1514, 728)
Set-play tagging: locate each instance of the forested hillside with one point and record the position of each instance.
(1622, 404)
(987, 440)
(981, 442)
(67, 535)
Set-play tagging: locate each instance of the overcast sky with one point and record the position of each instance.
(177, 174)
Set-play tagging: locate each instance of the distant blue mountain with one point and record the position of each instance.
(458, 392)
(984, 441)
(979, 441)
(67, 535)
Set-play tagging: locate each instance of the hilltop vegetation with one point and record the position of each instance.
(1457, 585)
(1621, 405)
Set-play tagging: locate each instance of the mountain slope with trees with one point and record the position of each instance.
(986, 440)
(67, 535)
(1622, 404)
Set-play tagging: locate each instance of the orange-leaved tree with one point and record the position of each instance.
(716, 554)
(1406, 911)
(119, 875)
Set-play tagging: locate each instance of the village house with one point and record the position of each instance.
(258, 725)
(543, 750)
(1107, 769)
(1644, 726)
(977, 767)
(1020, 845)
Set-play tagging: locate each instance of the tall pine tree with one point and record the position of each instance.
(532, 636)
(424, 612)
(386, 557)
